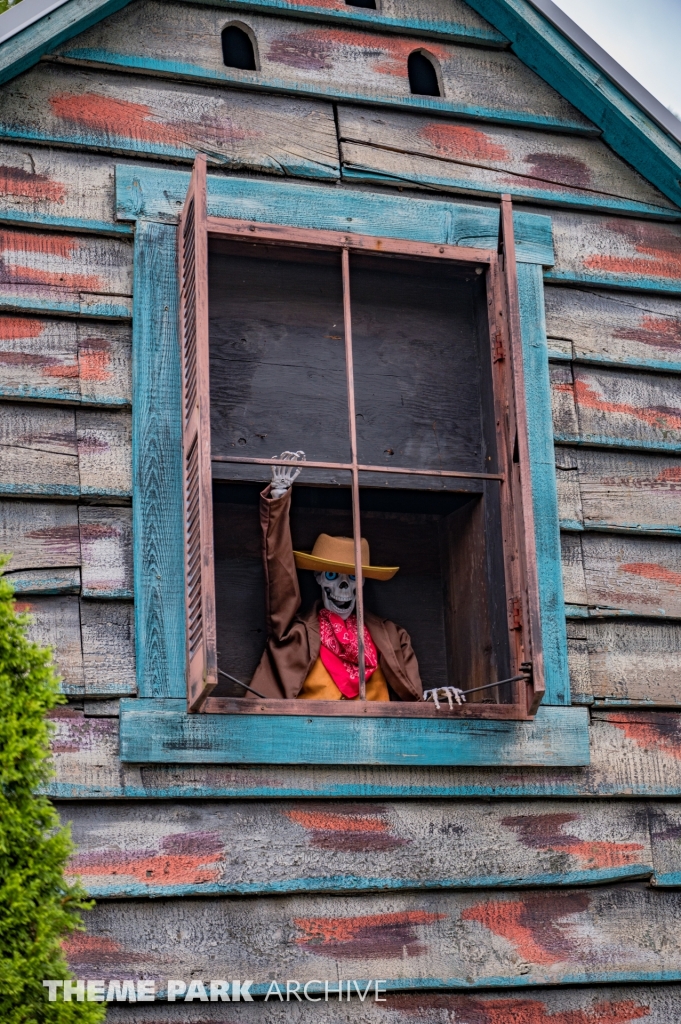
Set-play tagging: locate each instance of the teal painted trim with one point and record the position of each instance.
(315, 90)
(70, 305)
(39, 583)
(92, 227)
(667, 880)
(571, 525)
(48, 394)
(630, 444)
(40, 490)
(544, 491)
(582, 611)
(159, 194)
(129, 144)
(359, 884)
(452, 31)
(602, 526)
(20, 52)
(670, 286)
(158, 545)
(161, 731)
(594, 202)
(626, 128)
(556, 356)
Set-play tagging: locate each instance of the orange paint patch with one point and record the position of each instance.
(32, 275)
(12, 328)
(319, 820)
(660, 418)
(94, 359)
(530, 925)
(660, 247)
(461, 142)
(657, 730)
(61, 372)
(375, 936)
(659, 331)
(545, 832)
(652, 571)
(62, 246)
(14, 181)
(319, 49)
(114, 117)
(671, 475)
(155, 868)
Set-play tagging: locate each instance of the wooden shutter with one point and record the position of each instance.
(522, 581)
(196, 468)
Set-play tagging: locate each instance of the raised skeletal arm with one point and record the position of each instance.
(283, 476)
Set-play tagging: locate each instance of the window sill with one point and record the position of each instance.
(361, 709)
(160, 731)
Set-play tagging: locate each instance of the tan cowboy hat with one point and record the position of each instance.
(337, 554)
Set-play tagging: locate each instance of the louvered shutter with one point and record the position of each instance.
(196, 469)
(522, 581)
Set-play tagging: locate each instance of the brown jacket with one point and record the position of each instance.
(293, 640)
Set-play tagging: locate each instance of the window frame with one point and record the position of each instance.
(557, 735)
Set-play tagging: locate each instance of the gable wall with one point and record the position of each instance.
(418, 864)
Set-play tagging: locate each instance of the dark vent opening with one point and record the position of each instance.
(422, 75)
(369, 4)
(237, 49)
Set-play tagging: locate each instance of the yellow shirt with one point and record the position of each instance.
(320, 686)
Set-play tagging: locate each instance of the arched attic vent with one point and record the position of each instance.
(424, 78)
(239, 48)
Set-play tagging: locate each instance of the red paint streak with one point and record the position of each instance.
(463, 143)
(656, 730)
(671, 475)
(347, 831)
(94, 358)
(563, 170)
(657, 417)
(530, 924)
(184, 859)
(336, 822)
(652, 571)
(660, 331)
(511, 1010)
(58, 540)
(319, 49)
(544, 832)
(60, 247)
(14, 181)
(375, 936)
(12, 328)
(660, 247)
(23, 607)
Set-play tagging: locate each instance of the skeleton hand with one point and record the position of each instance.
(283, 476)
(445, 691)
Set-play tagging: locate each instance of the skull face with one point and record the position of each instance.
(339, 592)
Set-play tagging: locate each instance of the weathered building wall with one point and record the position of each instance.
(436, 877)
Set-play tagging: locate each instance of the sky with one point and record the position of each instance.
(644, 36)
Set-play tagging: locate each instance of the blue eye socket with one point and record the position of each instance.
(351, 577)
(331, 575)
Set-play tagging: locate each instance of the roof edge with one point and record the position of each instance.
(19, 17)
(656, 111)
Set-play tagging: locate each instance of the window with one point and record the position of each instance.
(395, 366)
(238, 48)
(423, 74)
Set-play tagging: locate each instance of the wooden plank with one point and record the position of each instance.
(310, 58)
(154, 731)
(451, 941)
(623, 491)
(45, 581)
(65, 360)
(106, 551)
(68, 273)
(39, 535)
(56, 624)
(57, 188)
(157, 466)
(129, 114)
(633, 754)
(614, 252)
(629, 663)
(160, 194)
(38, 451)
(665, 835)
(105, 452)
(621, 1004)
(255, 849)
(453, 156)
(108, 641)
(612, 329)
(624, 409)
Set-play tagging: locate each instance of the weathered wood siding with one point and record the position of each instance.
(431, 878)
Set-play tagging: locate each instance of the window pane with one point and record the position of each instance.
(418, 377)
(277, 356)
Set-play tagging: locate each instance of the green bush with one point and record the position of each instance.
(6, 4)
(38, 907)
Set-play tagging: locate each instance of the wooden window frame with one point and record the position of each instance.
(195, 231)
(155, 727)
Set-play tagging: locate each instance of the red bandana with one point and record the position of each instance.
(339, 652)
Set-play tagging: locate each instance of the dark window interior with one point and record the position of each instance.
(423, 396)
(422, 75)
(237, 49)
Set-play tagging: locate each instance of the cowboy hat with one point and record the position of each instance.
(337, 554)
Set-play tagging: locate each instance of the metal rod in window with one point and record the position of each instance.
(356, 525)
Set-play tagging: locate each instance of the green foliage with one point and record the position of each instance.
(38, 907)
(6, 4)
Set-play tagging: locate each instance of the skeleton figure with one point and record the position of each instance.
(339, 589)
